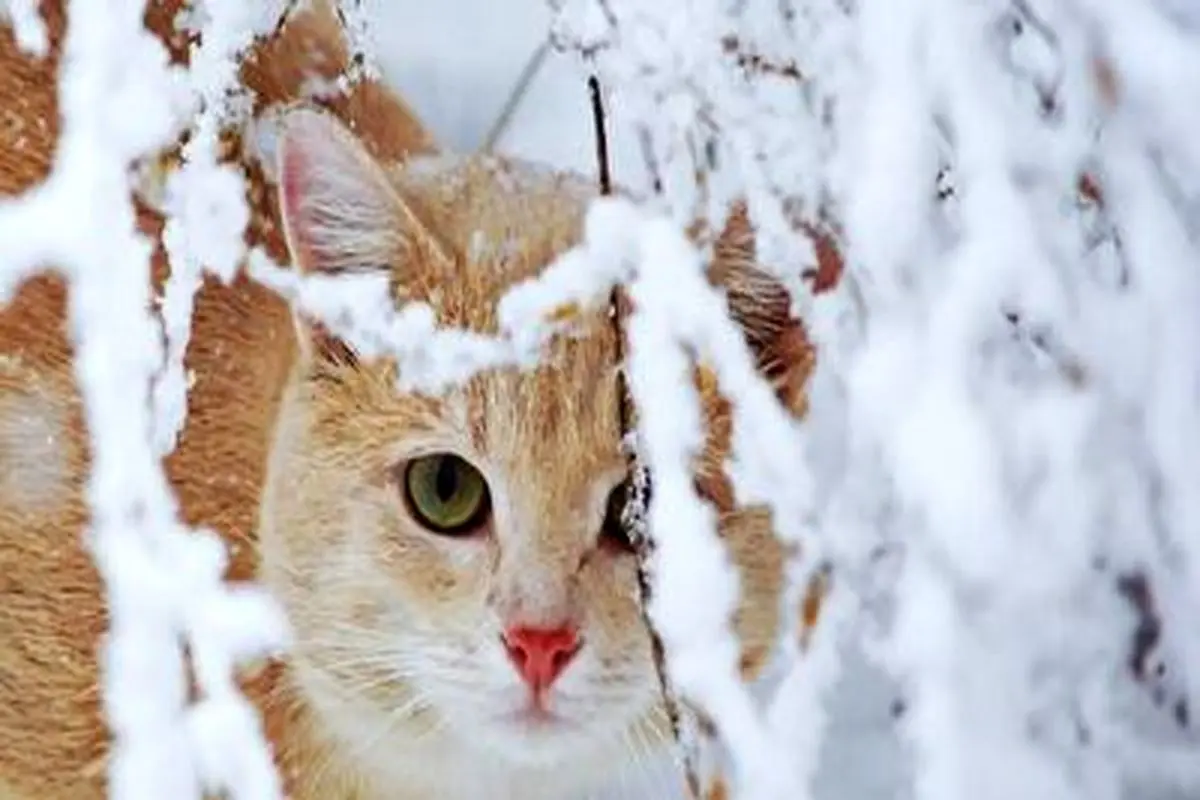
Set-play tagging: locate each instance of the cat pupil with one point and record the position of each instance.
(446, 480)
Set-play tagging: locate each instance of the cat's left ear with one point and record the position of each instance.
(762, 307)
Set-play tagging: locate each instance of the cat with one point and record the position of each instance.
(465, 611)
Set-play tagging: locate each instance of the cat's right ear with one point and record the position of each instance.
(340, 211)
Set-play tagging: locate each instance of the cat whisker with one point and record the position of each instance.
(356, 688)
(632, 747)
(646, 746)
(390, 723)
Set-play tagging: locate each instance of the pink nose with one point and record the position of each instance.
(541, 654)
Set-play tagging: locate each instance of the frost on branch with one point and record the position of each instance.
(1005, 407)
(120, 101)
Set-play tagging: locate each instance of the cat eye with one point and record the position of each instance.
(613, 531)
(446, 494)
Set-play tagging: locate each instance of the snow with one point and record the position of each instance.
(120, 100)
(1004, 416)
(32, 36)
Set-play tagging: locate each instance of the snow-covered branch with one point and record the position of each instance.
(121, 101)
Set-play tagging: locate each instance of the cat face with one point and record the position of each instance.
(451, 564)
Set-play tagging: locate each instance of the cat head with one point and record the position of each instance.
(452, 565)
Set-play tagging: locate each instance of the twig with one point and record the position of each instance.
(353, 20)
(602, 164)
(633, 516)
(285, 17)
(646, 144)
(513, 102)
(753, 62)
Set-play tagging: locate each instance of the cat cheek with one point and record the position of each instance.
(611, 597)
(432, 573)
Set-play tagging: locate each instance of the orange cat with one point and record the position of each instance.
(465, 611)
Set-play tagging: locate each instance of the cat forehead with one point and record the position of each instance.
(554, 429)
(505, 212)
(499, 220)
(504, 220)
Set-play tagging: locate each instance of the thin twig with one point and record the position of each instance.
(532, 66)
(633, 516)
(285, 17)
(646, 143)
(753, 62)
(352, 19)
(602, 164)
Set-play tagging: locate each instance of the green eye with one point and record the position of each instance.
(446, 494)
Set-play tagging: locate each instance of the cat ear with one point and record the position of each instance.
(340, 212)
(762, 306)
